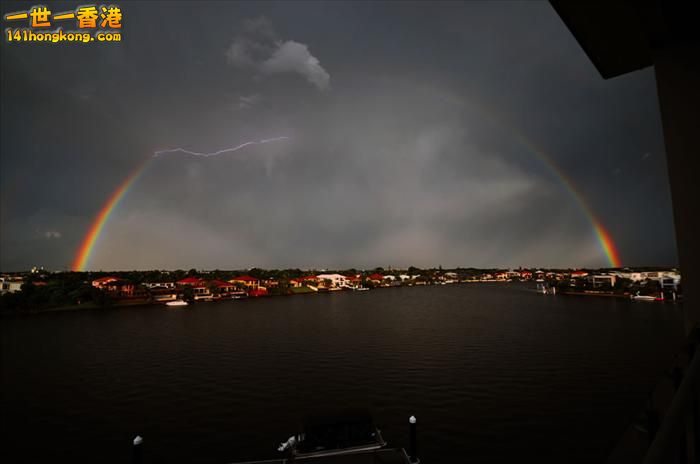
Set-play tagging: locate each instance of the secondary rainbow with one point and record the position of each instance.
(93, 234)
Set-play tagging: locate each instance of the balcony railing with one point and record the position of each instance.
(678, 437)
(668, 430)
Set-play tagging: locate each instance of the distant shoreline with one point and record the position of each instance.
(91, 305)
(126, 304)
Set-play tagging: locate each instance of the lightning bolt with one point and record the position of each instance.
(217, 153)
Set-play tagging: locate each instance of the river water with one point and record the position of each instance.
(493, 372)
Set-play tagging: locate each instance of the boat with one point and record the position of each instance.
(361, 289)
(177, 303)
(341, 432)
(639, 297)
(545, 289)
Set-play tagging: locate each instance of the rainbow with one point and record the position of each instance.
(88, 243)
(602, 235)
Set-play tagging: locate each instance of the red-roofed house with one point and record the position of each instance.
(376, 278)
(199, 287)
(193, 281)
(115, 286)
(104, 281)
(223, 289)
(310, 280)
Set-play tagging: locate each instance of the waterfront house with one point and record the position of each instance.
(159, 285)
(295, 283)
(671, 283)
(353, 281)
(419, 280)
(199, 287)
(336, 280)
(600, 280)
(103, 282)
(10, 284)
(117, 288)
(251, 283)
(451, 277)
(222, 289)
(191, 281)
(376, 278)
(310, 280)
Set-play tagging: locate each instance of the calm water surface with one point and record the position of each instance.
(494, 372)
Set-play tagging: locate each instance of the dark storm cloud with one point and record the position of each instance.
(414, 154)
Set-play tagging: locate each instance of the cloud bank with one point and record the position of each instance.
(259, 49)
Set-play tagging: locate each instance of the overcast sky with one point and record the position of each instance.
(408, 131)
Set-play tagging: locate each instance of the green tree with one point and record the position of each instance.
(100, 297)
(412, 270)
(188, 294)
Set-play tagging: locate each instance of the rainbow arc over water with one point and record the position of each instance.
(603, 237)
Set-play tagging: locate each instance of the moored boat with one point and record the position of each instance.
(342, 432)
(639, 297)
(177, 303)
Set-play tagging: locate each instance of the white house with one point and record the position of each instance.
(659, 276)
(10, 285)
(337, 280)
(154, 285)
(602, 279)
